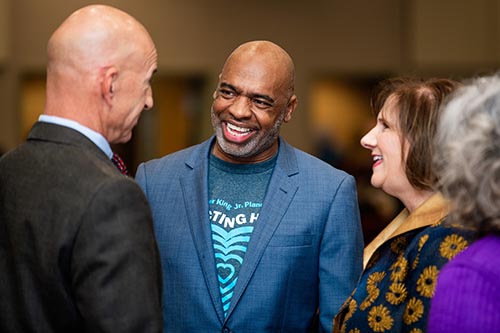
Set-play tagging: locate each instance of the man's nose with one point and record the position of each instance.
(149, 100)
(241, 107)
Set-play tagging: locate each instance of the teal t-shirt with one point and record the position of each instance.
(235, 196)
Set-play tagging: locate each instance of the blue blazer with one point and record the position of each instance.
(305, 252)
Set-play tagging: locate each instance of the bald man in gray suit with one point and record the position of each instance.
(77, 249)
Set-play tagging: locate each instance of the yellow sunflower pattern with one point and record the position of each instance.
(350, 310)
(395, 291)
(346, 310)
(426, 283)
(397, 294)
(399, 269)
(413, 311)
(371, 287)
(352, 307)
(416, 330)
(452, 245)
(379, 319)
(399, 244)
(421, 243)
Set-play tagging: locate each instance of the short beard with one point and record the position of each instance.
(254, 146)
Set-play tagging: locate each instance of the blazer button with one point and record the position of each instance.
(226, 330)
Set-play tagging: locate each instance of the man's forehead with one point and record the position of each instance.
(251, 74)
(249, 85)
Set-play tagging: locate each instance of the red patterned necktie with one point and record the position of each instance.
(119, 164)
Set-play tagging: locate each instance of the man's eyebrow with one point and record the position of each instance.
(259, 96)
(228, 86)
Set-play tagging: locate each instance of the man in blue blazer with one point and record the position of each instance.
(254, 235)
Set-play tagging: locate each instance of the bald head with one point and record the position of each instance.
(270, 57)
(100, 61)
(95, 35)
(254, 97)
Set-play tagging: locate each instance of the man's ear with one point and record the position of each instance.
(108, 83)
(292, 104)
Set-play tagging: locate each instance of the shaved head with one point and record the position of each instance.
(254, 97)
(270, 54)
(100, 62)
(95, 35)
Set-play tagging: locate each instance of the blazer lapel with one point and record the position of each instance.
(195, 194)
(280, 193)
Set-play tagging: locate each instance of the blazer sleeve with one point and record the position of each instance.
(140, 177)
(341, 253)
(115, 265)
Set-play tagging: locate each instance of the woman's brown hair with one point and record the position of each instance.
(417, 102)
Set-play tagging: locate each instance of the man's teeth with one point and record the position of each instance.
(235, 130)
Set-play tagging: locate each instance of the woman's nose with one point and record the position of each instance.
(369, 141)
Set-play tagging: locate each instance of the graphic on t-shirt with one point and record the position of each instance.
(229, 253)
(236, 194)
(232, 227)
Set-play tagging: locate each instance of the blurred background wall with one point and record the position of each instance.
(341, 49)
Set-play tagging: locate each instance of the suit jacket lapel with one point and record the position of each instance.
(195, 195)
(280, 193)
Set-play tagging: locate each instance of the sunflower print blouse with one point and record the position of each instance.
(396, 288)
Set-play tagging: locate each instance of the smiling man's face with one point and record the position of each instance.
(251, 103)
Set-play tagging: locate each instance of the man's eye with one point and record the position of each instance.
(261, 104)
(226, 93)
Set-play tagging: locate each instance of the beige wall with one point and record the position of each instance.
(4, 30)
(461, 36)
(6, 135)
(325, 37)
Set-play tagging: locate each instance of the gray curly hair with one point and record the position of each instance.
(467, 159)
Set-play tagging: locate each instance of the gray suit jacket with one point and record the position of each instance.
(77, 248)
(305, 252)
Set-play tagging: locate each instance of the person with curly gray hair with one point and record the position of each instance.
(467, 296)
